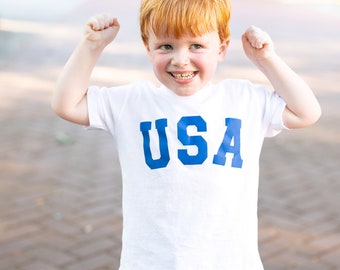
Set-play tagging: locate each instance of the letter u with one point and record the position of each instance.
(164, 159)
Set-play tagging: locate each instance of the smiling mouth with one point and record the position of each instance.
(183, 76)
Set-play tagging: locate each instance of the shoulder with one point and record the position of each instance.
(135, 86)
(247, 93)
(133, 89)
(239, 84)
(242, 88)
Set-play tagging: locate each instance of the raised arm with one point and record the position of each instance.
(302, 107)
(69, 97)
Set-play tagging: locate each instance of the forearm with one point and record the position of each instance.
(73, 82)
(69, 99)
(303, 107)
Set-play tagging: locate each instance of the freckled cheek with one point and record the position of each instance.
(160, 64)
(203, 63)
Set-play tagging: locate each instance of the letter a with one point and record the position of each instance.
(233, 132)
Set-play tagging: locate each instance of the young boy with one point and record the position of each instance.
(189, 150)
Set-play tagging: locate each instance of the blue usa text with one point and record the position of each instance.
(230, 144)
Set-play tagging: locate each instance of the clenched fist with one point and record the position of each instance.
(102, 29)
(257, 45)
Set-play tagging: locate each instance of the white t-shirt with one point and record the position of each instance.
(190, 171)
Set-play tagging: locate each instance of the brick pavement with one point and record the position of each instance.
(60, 190)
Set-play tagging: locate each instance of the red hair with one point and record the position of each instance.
(182, 17)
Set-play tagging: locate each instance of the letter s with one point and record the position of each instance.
(185, 139)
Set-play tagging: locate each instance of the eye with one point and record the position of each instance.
(196, 46)
(165, 47)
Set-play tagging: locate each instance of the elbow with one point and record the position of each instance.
(77, 115)
(310, 120)
(317, 114)
(56, 108)
(314, 115)
(59, 109)
(294, 121)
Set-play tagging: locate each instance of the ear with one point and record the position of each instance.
(223, 49)
(147, 47)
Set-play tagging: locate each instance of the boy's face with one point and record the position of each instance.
(185, 65)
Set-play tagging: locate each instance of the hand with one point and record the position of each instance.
(257, 45)
(102, 29)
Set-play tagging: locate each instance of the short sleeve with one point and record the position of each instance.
(94, 104)
(104, 106)
(274, 115)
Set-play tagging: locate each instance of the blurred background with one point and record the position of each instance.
(60, 189)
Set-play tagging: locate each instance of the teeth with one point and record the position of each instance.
(183, 76)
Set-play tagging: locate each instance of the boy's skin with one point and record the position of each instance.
(185, 66)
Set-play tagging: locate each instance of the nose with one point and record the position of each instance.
(180, 58)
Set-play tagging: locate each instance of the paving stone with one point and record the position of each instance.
(95, 247)
(52, 256)
(39, 266)
(93, 263)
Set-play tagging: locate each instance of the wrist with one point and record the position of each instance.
(268, 61)
(93, 47)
